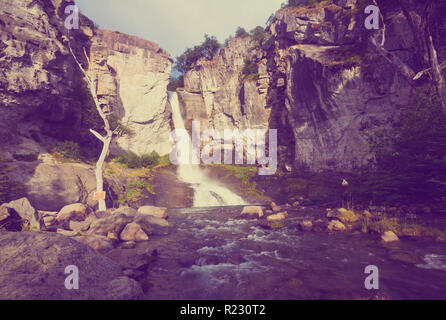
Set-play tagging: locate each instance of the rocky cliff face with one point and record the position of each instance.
(320, 84)
(217, 92)
(133, 75)
(44, 99)
(38, 80)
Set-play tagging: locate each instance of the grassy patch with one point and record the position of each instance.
(247, 185)
(151, 160)
(402, 226)
(138, 186)
(252, 76)
(345, 57)
(348, 216)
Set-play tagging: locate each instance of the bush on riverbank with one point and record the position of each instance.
(410, 158)
(151, 160)
(401, 225)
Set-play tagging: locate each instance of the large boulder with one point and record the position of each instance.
(389, 236)
(33, 266)
(128, 211)
(135, 259)
(100, 243)
(27, 212)
(4, 213)
(252, 212)
(50, 187)
(111, 224)
(153, 225)
(133, 232)
(153, 211)
(278, 216)
(336, 225)
(72, 212)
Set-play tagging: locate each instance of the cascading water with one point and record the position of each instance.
(207, 192)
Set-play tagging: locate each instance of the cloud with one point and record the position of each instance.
(178, 24)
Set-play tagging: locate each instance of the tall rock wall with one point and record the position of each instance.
(44, 99)
(133, 75)
(218, 93)
(320, 83)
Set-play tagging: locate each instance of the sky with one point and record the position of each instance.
(178, 24)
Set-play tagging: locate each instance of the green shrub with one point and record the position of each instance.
(208, 49)
(133, 161)
(69, 149)
(176, 84)
(150, 160)
(241, 33)
(249, 67)
(119, 128)
(253, 76)
(410, 157)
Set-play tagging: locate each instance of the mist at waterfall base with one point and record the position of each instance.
(207, 192)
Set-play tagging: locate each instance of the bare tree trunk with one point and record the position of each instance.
(423, 39)
(417, 33)
(99, 174)
(403, 68)
(437, 77)
(105, 140)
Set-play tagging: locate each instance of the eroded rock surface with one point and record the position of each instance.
(33, 266)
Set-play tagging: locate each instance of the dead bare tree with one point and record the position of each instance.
(425, 50)
(106, 140)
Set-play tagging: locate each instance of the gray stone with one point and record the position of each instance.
(306, 225)
(79, 225)
(153, 225)
(33, 268)
(153, 211)
(252, 212)
(133, 232)
(389, 236)
(27, 212)
(336, 225)
(278, 216)
(100, 243)
(114, 223)
(72, 212)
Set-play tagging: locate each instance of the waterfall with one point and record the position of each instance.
(207, 192)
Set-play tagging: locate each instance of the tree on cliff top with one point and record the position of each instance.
(208, 49)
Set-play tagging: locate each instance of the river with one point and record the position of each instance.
(212, 254)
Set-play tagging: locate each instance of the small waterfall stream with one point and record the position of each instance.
(207, 192)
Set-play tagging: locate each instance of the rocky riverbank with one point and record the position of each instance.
(131, 240)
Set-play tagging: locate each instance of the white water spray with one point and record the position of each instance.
(207, 193)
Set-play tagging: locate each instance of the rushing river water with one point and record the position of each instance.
(207, 192)
(211, 254)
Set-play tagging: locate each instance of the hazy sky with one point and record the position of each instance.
(178, 24)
